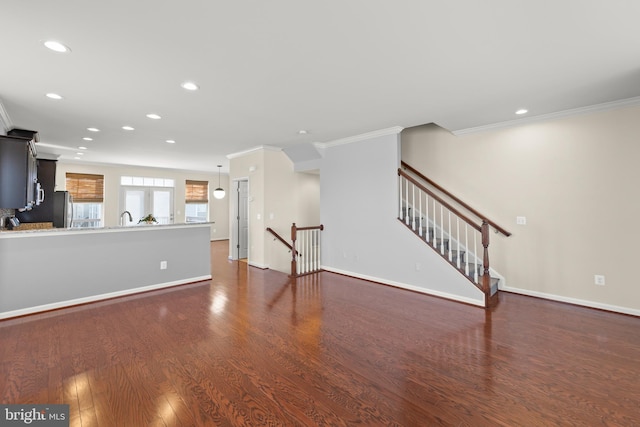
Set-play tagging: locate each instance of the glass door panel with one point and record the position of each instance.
(135, 204)
(162, 201)
(142, 201)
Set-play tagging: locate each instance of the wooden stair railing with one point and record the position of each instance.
(455, 198)
(304, 241)
(437, 222)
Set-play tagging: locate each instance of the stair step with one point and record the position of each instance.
(494, 286)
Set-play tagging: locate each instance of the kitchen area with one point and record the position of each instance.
(46, 264)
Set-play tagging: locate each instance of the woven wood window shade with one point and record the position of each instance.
(197, 191)
(86, 188)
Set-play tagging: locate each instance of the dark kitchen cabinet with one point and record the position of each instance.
(18, 173)
(47, 180)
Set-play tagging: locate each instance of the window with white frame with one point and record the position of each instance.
(196, 201)
(87, 191)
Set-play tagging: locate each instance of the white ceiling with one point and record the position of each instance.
(267, 69)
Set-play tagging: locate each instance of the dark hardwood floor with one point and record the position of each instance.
(250, 348)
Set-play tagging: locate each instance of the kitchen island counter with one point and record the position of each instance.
(47, 269)
(59, 231)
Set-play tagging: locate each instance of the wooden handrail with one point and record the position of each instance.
(315, 227)
(277, 236)
(440, 199)
(456, 199)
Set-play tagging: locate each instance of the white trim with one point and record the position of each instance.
(260, 266)
(479, 303)
(629, 102)
(575, 301)
(253, 150)
(94, 298)
(5, 120)
(364, 136)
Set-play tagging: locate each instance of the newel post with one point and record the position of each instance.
(294, 236)
(486, 278)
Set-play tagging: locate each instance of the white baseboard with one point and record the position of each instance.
(260, 266)
(575, 301)
(94, 298)
(479, 303)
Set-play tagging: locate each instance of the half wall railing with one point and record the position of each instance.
(305, 248)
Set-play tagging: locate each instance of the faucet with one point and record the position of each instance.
(122, 216)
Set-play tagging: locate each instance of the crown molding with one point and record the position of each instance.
(605, 106)
(369, 135)
(253, 150)
(5, 120)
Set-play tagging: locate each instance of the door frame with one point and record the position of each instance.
(234, 238)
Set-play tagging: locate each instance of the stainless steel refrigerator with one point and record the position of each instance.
(62, 209)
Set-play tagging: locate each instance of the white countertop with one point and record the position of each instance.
(114, 229)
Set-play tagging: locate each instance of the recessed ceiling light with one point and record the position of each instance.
(302, 132)
(80, 154)
(154, 116)
(86, 138)
(82, 148)
(54, 96)
(127, 128)
(190, 86)
(78, 158)
(57, 46)
(522, 111)
(170, 141)
(93, 129)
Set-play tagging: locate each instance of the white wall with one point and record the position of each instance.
(218, 209)
(574, 179)
(363, 237)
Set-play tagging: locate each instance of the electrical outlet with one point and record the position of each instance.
(598, 279)
(417, 266)
(163, 265)
(521, 220)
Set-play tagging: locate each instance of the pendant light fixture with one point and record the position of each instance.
(218, 193)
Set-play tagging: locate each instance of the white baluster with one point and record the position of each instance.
(475, 251)
(426, 209)
(400, 214)
(316, 265)
(441, 229)
(466, 245)
(413, 204)
(458, 239)
(435, 223)
(450, 249)
(319, 249)
(420, 220)
(300, 236)
(307, 251)
(406, 201)
(312, 237)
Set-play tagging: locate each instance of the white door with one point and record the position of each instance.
(243, 219)
(142, 201)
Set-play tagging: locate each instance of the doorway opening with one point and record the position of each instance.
(240, 230)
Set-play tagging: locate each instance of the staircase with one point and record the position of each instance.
(449, 226)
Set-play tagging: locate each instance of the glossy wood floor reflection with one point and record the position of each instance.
(249, 348)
